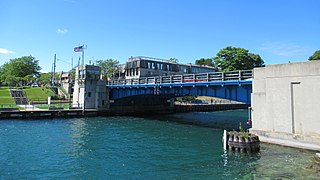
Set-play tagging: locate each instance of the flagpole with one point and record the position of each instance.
(82, 56)
(78, 49)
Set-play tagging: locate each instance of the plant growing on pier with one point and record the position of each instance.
(242, 132)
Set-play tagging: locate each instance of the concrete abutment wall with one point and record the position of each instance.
(286, 104)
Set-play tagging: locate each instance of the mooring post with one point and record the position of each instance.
(225, 140)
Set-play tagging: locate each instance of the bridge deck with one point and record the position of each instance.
(234, 85)
(203, 79)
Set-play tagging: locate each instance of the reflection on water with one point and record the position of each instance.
(140, 148)
(228, 120)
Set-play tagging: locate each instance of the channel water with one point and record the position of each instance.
(177, 146)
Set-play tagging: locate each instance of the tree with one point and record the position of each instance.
(28, 79)
(20, 68)
(9, 79)
(45, 78)
(1, 80)
(173, 60)
(315, 56)
(72, 73)
(205, 61)
(109, 67)
(235, 58)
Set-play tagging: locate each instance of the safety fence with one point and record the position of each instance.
(186, 78)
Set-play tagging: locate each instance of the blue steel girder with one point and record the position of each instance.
(236, 90)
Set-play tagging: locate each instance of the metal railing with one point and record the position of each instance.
(186, 78)
(40, 106)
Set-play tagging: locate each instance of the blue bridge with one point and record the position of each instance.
(235, 85)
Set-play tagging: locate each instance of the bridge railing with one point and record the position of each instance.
(186, 78)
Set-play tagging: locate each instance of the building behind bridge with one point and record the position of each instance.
(142, 66)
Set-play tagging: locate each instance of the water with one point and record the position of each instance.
(141, 148)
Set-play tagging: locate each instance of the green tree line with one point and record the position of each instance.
(236, 58)
(25, 70)
(233, 58)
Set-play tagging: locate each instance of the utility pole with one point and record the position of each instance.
(54, 70)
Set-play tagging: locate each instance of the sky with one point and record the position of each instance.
(278, 30)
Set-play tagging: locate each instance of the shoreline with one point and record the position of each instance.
(115, 111)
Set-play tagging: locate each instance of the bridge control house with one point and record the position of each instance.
(89, 89)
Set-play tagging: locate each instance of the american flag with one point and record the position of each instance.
(78, 49)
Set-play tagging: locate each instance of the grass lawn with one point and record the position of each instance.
(5, 97)
(38, 93)
(33, 93)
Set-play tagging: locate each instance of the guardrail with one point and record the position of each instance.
(40, 106)
(186, 78)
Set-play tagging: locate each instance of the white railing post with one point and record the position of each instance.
(222, 76)
(240, 75)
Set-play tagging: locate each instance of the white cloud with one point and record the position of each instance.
(5, 51)
(285, 49)
(61, 31)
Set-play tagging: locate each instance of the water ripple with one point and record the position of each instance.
(137, 148)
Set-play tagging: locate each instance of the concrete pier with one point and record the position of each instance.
(286, 104)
